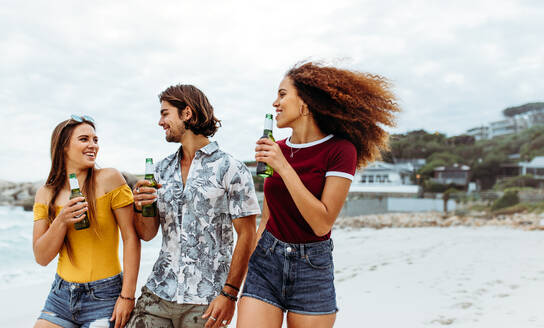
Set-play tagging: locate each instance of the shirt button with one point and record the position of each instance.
(288, 249)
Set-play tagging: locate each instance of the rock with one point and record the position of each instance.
(526, 221)
(27, 204)
(22, 194)
(130, 178)
(6, 184)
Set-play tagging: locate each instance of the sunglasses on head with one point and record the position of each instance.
(82, 118)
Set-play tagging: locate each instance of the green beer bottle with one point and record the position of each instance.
(264, 170)
(75, 192)
(150, 210)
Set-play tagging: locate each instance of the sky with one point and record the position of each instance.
(453, 65)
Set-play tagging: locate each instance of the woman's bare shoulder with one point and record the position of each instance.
(43, 195)
(109, 179)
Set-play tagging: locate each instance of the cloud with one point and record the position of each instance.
(453, 65)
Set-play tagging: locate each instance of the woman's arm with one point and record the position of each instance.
(112, 179)
(319, 213)
(48, 239)
(131, 265)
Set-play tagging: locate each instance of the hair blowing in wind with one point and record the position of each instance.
(349, 104)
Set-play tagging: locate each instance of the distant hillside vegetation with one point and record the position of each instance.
(485, 157)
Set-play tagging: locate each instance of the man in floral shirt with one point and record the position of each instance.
(203, 193)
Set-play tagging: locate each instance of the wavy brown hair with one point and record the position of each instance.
(57, 179)
(203, 120)
(349, 104)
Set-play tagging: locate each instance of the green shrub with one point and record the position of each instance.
(518, 208)
(526, 181)
(510, 198)
(431, 186)
(522, 207)
(479, 208)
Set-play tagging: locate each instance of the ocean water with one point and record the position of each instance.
(18, 267)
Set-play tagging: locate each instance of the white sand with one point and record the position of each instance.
(421, 277)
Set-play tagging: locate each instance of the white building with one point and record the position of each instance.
(381, 177)
(502, 127)
(479, 133)
(515, 120)
(534, 167)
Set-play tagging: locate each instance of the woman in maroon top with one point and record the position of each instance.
(336, 117)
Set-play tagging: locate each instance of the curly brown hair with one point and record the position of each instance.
(349, 104)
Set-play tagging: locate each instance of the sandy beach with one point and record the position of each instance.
(419, 277)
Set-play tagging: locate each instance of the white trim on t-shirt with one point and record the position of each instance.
(339, 174)
(309, 144)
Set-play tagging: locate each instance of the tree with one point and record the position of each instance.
(486, 171)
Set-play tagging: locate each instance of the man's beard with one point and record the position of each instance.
(175, 136)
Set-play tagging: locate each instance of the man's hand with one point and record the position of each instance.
(220, 312)
(121, 312)
(144, 194)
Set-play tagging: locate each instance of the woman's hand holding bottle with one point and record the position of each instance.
(269, 152)
(72, 212)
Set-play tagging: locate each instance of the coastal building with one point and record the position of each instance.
(502, 127)
(527, 115)
(479, 133)
(508, 170)
(456, 174)
(385, 173)
(535, 117)
(534, 167)
(385, 179)
(516, 119)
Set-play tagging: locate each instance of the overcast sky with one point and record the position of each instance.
(454, 65)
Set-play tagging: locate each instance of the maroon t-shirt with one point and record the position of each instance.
(313, 162)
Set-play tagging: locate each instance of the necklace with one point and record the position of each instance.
(294, 152)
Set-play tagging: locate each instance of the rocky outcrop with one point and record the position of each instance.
(526, 221)
(22, 193)
(130, 178)
(18, 194)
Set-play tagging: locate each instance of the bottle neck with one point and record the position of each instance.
(267, 133)
(74, 184)
(267, 124)
(148, 168)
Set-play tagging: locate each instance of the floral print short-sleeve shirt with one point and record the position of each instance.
(196, 223)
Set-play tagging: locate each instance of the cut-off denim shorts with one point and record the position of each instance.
(293, 277)
(73, 305)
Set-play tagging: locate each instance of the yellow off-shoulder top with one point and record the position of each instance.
(95, 256)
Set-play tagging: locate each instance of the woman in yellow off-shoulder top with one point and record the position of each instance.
(89, 288)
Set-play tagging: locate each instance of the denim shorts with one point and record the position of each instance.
(293, 277)
(89, 304)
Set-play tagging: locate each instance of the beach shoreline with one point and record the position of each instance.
(461, 276)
